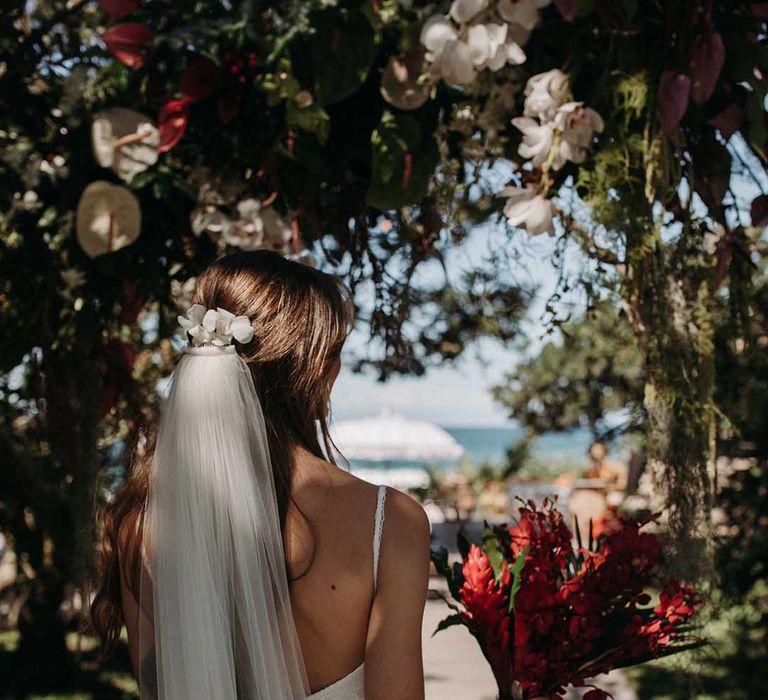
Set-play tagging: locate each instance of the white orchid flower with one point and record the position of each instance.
(438, 31)
(528, 208)
(538, 139)
(247, 232)
(241, 329)
(578, 125)
(216, 327)
(522, 12)
(464, 10)
(509, 52)
(485, 41)
(545, 93)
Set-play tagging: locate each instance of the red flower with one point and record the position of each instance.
(199, 78)
(119, 8)
(576, 614)
(172, 123)
(127, 41)
(486, 605)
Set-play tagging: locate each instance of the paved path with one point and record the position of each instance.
(455, 669)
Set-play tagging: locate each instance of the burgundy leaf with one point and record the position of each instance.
(172, 123)
(759, 211)
(199, 78)
(119, 8)
(729, 120)
(126, 42)
(567, 9)
(707, 59)
(672, 99)
(229, 105)
(760, 10)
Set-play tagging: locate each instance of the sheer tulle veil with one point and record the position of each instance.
(216, 616)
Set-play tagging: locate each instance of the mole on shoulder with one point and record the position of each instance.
(333, 586)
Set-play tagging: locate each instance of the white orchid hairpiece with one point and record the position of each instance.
(217, 327)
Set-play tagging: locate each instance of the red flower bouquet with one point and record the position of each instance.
(548, 613)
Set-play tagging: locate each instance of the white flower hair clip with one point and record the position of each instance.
(216, 327)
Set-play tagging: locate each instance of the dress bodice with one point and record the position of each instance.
(351, 686)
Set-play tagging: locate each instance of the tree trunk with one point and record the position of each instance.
(673, 326)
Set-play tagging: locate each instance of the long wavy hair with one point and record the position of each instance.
(301, 318)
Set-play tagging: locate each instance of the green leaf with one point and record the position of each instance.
(313, 119)
(491, 549)
(402, 161)
(463, 543)
(516, 569)
(453, 576)
(450, 621)
(342, 51)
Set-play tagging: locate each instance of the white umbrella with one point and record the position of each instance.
(389, 436)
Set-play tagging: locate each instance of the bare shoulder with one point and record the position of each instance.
(405, 540)
(405, 515)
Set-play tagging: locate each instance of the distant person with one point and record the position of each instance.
(242, 562)
(610, 471)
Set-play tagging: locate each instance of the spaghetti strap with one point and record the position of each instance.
(377, 529)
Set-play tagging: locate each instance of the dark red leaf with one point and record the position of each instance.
(760, 10)
(199, 78)
(595, 694)
(707, 59)
(729, 120)
(119, 8)
(172, 123)
(229, 105)
(567, 9)
(126, 42)
(759, 211)
(672, 99)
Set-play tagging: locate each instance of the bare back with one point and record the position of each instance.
(341, 618)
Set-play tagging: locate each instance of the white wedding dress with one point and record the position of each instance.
(352, 687)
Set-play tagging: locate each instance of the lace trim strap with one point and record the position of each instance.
(378, 526)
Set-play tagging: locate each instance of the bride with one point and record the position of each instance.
(242, 562)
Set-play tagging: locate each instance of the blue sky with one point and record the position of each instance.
(458, 394)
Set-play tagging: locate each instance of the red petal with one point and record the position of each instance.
(126, 42)
(672, 99)
(119, 8)
(707, 61)
(199, 78)
(172, 123)
(760, 10)
(567, 9)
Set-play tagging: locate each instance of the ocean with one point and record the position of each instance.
(490, 445)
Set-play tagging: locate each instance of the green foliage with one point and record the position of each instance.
(401, 162)
(595, 369)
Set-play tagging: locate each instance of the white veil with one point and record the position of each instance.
(216, 619)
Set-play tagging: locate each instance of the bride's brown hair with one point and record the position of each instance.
(301, 318)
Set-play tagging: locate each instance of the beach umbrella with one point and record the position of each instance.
(388, 436)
